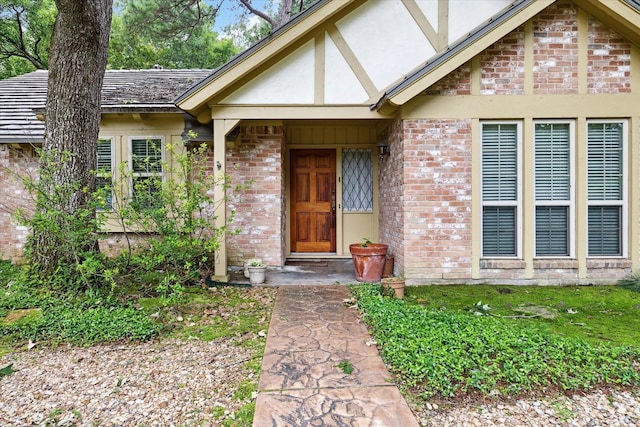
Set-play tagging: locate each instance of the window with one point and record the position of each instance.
(500, 189)
(553, 188)
(104, 171)
(606, 187)
(357, 186)
(146, 161)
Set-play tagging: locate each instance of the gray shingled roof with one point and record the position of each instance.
(122, 91)
(18, 97)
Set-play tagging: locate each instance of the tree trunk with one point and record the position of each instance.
(77, 63)
(284, 13)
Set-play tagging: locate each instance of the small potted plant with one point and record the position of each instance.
(257, 272)
(395, 283)
(247, 263)
(368, 260)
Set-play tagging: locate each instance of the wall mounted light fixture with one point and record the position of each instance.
(383, 150)
(218, 165)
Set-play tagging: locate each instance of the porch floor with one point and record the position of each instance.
(306, 272)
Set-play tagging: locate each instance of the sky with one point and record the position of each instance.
(230, 11)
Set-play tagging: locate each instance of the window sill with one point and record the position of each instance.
(600, 263)
(502, 264)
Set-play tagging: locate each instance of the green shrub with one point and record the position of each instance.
(447, 354)
(631, 282)
(167, 219)
(170, 226)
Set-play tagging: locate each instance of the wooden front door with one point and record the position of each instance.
(313, 201)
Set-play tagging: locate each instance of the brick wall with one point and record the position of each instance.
(456, 83)
(608, 60)
(438, 158)
(392, 196)
(15, 164)
(435, 159)
(436, 211)
(260, 210)
(555, 50)
(502, 66)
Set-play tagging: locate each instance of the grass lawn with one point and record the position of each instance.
(595, 313)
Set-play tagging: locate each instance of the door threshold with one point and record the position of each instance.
(315, 255)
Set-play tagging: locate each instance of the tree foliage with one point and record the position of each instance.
(144, 33)
(25, 35)
(171, 34)
(276, 14)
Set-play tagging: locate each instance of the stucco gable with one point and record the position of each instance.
(343, 53)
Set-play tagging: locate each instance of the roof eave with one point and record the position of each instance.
(622, 15)
(21, 139)
(128, 108)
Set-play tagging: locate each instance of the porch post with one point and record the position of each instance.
(219, 196)
(220, 130)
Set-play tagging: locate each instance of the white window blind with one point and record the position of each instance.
(499, 162)
(553, 188)
(147, 167)
(500, 189)
(104, 171)
(605, 164)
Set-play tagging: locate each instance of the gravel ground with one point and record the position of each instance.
(185, 383)
(594, 409)
(163, 383)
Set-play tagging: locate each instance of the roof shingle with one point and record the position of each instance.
(131, 90)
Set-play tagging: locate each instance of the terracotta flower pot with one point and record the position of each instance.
(395, 283)
(368, 261)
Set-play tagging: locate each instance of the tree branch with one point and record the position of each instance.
(256, 12)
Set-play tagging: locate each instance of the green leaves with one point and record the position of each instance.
(25, 34)
(448, 354)
(345, 366)
(170, 34)
(7, 370)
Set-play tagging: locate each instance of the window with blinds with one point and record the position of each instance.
(605, 187)
(104, 171)
(553, 171)
(147, 166)
(500, 189)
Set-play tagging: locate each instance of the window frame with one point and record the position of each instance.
(135, 174)
(518, 203)
(366, 153)
(571, 203)
(111, 140)
(624, 202)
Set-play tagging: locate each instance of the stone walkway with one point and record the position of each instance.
(313, 340)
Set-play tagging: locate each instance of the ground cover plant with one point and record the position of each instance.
(594, 313)
(450, 353)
